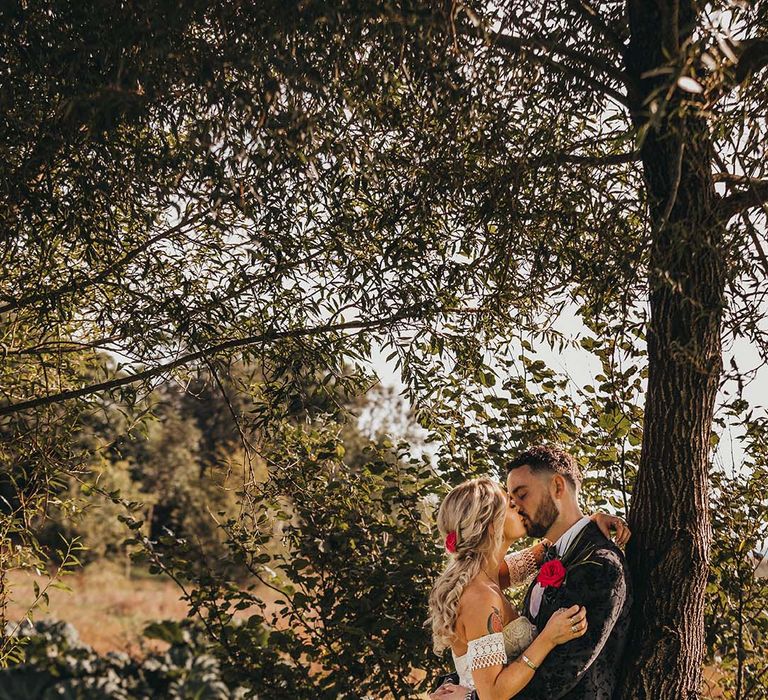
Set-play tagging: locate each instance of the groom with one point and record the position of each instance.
(586, 568)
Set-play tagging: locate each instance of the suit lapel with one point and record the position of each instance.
(582, 541)
(527, 602)
(550, 600)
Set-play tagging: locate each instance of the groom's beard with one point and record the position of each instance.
(542, 519)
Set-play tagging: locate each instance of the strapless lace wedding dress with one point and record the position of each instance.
(492, 649)
(505, 646)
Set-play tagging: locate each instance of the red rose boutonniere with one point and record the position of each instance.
(552, 573)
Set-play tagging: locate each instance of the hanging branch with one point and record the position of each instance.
(585, 10)
(755, 196)
(84, 281)
(200, 354)
(517, 44)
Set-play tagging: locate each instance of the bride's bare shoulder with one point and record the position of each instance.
(480, 600)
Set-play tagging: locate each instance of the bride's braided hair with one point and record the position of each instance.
(468, 510)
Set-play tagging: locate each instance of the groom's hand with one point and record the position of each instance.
(449, 691)
(607, 523)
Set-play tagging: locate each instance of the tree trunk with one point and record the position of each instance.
(669, 550)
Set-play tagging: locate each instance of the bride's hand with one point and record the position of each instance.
(566, 624)
(449, 691)
(607, 522)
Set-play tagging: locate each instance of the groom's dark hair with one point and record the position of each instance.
(551, 459)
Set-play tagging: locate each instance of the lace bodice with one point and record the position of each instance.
(493, 649)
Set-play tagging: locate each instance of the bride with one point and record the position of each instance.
(470, 614)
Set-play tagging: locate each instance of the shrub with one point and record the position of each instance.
(57, 664)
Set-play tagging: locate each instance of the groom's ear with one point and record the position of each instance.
(559, 486)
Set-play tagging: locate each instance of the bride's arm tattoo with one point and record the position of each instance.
(495, 623)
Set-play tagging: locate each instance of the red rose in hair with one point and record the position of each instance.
(552, 574)
(450, 541)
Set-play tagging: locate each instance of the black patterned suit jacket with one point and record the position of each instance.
(586, 668)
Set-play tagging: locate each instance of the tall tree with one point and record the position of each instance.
(293, 181)
(687, 280)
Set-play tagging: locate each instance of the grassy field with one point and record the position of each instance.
(109, 606)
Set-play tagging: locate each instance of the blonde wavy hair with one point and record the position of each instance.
(469, 510)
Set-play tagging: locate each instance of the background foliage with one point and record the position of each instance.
(214, 213)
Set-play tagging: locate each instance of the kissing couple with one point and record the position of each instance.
(569, 638)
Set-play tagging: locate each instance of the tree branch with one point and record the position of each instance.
(84, 281)
(613, 159)
(755, 241)
(753, 57)
(516, 45)
(731, 179)
(13, 408)
(63, 346)
(584, 9)
(756, 195)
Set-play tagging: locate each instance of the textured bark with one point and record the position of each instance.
(669, 551)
